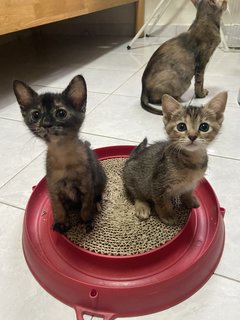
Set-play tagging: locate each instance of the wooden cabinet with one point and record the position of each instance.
(18, 15)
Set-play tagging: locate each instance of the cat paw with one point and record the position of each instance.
(169, 221)
(89, 226)
(202, 94)
(98, 207)
(60, 227)
(142, 210)
(191, 203)
(195, 203)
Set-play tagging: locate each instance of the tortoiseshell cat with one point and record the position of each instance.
(173, 65)
(155, 175)
(75, 178)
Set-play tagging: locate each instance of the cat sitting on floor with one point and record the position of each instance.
(155, 175)
(173, 65)
(75, 178)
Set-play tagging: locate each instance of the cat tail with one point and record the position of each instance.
(146, 106)
(139, 148)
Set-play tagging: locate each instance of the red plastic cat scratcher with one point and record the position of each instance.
(118, 286)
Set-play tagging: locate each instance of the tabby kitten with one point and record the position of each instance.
(173, 65)
(155, 175)
(75, 178)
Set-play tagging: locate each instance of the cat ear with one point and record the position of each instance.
(76, 93)
(196, 2)
(224, 5)
(212, 2)
(24, 94)
(169, 105)
(218, 103)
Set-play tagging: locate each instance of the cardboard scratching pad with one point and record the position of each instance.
(117, 231)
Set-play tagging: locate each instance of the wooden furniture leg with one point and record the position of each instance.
(139, 20)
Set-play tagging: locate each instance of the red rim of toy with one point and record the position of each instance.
(118, 286)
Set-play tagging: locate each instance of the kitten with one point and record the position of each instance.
(155, 175)
(75, 178)
(173, 65)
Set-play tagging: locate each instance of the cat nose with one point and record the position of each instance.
(46, 123)
(192, 138)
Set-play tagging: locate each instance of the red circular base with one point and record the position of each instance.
(110, 286)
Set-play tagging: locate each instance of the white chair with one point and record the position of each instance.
(157, 13)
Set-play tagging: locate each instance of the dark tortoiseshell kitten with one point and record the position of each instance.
(155, 175)
(75, 178)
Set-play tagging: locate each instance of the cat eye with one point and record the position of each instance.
(36, 115)
(204, 127)
(181, 127)
(61, 113)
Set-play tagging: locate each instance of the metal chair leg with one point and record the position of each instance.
(158, 7)
(167, 2)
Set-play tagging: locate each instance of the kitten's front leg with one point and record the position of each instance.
(61, 224)
(200, 92)
(88, 210)
(142, 210)
(165, 211)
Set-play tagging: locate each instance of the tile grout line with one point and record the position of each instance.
(223, 157)
(116, 138)
(98, 104)
(62, 88)
(102, 69)
(129, 79)
(103, 136)
(226, 277)
(113, 93)
(10, 119)
(21, 170)
(11, 205)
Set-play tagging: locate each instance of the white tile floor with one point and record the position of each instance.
(114, 117)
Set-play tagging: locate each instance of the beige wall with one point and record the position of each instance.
(179, 12)
(182, 12)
